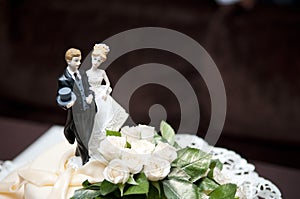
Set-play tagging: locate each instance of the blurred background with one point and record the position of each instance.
(255, 45)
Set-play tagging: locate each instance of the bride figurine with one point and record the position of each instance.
(110, 115)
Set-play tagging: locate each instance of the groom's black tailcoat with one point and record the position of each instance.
(80, 122)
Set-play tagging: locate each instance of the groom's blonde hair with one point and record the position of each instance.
(72, 52)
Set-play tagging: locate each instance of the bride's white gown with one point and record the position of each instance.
(110, 114)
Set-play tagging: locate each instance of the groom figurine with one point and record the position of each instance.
(75, 96)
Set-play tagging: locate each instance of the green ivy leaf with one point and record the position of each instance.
(226, 191)
(107, 187)
(188, 155)
(214, 164)
(201, 195)
(178, 173)
(86, 184)
(167, 132)
(95, 186)
(207, 185)
(113, 133)
(194, 162)
(141, 188)
(153, 192)
(218, 164)
(178, 189)
(85, 194)
(156, 185)
(197, 170)
(131, 180)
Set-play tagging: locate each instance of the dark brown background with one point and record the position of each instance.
(256, 51)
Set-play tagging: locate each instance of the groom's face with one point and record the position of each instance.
(74, 63)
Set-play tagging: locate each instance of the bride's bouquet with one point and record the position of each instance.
(139, 163)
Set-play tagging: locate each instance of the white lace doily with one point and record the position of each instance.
(236, 169)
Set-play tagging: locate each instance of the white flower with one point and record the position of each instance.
(130, 133)
(156, 169)
(138, 132)
(147, 132)
(134, 161)
(116, 172)
(165, 151)
(111, 147)
(142, 147)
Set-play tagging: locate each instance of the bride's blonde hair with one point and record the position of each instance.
(100, 50)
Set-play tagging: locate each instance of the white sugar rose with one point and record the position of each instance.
(138, 132)
(142, 147)
(116, 172)
(134, 161)
(111, 147)
(147, 132)
(156, 169)
(130, 133)
(165, 151)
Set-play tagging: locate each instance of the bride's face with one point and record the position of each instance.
(96, 61)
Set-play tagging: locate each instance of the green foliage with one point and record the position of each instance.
(207, 185)
(178, 189)
(85, 193)
(142, 186)
(107, 187)
(214, 164)
(156, 185)
(167, 132)
(113, 133)
(191, 177)
(194, 162)
(226, 191)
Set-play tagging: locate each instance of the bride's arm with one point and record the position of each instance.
(107, 83)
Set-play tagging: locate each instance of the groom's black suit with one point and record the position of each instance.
(80, 119)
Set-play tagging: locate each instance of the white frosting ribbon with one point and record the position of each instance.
(35, 183)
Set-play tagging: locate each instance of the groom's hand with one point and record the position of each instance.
(70, 104)
(89, 99)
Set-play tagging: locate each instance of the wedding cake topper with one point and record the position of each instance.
(81, 93)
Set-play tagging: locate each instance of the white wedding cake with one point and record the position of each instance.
(55, 173)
